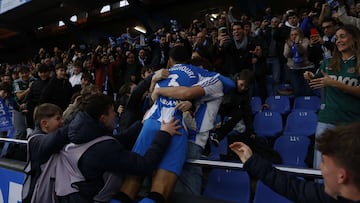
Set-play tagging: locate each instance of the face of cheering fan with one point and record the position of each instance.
(108, 118)
(53, 123)
(344, 41)
(60, 73)
(238, 32)
(242, 85)
(334, 176)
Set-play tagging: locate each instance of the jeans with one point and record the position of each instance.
(275, 69)
(321, 127)
(19, 120)
(190, 179)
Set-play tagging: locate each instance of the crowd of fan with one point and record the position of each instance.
(281, 45)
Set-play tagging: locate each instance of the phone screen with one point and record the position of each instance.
(333, 3)
(223, 30)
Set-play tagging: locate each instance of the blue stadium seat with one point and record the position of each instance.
(285, 89)
(301, 123)
(114, 201)
(215, 152)
(268, 124)
(228, 185)
(308, 103)
(279, 104)
(263, 194)
(9, 134)
(255, 104)
(292, 149)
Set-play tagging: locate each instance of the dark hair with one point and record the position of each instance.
(246, 75)
(125, 88)
(237, 23)
(292, 13)
(128, 53)
(78, 63)
(343, 145)
(97, 105)
(329, 19)
(179, 54)
(87, 77)
(247, 23)
(6, 87)
(43, 68)
(60, 65)
(24, 69)
(44, 111)
(202, 62)
(145, 69)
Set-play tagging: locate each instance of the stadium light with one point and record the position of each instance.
(140, 29)
(61, 23)
(214, 15)
(73, 18)
(105, 9)
(123, 3)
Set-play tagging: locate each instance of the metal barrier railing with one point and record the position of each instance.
(219, 164)
(232, 165)
(13, 140)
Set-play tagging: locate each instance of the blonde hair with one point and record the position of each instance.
(299, 31)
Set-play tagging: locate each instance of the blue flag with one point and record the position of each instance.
(5, 117)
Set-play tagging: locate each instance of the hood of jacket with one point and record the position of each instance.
(83, 128)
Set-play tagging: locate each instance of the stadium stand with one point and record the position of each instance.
(228, 185)
(264, 194)
(309, 103)
(268, 124)
(279, 104)
(301, 123)
(292, 149)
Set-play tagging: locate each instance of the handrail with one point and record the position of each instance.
(219, 164)
(14, 140)
(234, 165)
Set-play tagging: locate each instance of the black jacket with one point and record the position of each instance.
(234, 60)
(287, 185)
(58, 91)
(135, 105)
(111, 155)
(235, 100)
(36, 89)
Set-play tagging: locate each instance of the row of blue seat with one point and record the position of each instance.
(235, 186)
(292, 141)
(282, 105)
(292, 150)
(298, 123)
(292, 145)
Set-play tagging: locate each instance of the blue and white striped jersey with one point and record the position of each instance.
(180, 75)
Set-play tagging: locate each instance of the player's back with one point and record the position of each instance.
(180, 75)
